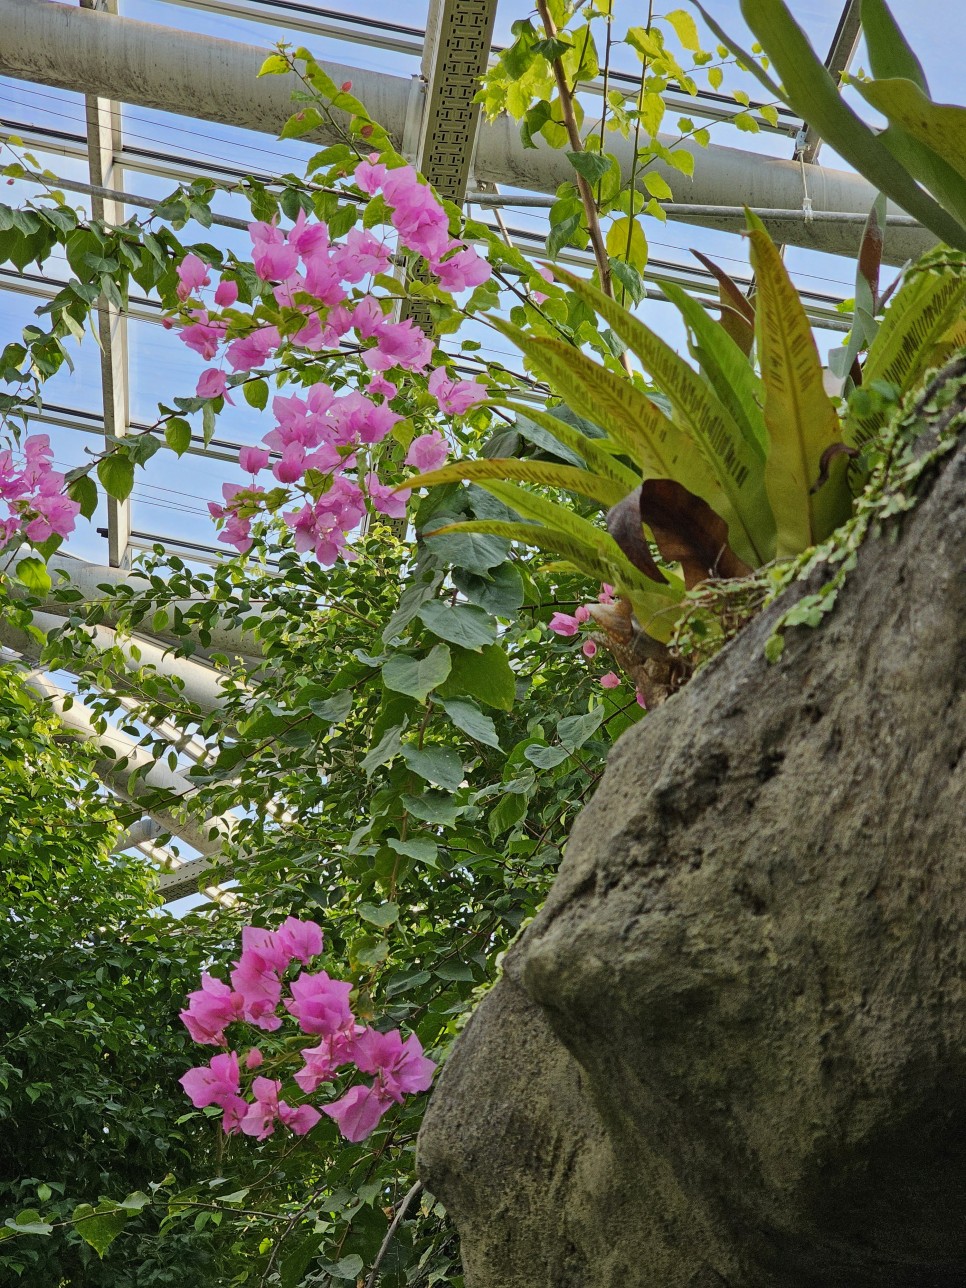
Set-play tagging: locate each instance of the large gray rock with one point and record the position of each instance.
(731, 1050)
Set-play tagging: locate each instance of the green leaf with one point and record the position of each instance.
(417, 676)
(83, 490)
(468, 717)
(456, 971)
(922, 311)
(256, 393)
(546, 757)
(116, 473)
(462, 624)
(725, 365)
(658, 186)
(486, 676)
(591, 166)
(99, 1228)
(801, 420)
(421, 849)
(34, 575)
(470, 551)
(685, 29)
(383, 914)
(29, 1221)
(889, 54)
(507, 813)
(177, 434)
(433, 807)
(500, 593)
(561, 233)
(600, 462)
(543, 473)
(440, 766)
(274, 65)
(573, 731)
(388, 746)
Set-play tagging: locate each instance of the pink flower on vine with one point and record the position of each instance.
(427, 452)
(455, 397)
(192, 276)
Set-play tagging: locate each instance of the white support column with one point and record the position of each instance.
(103, 145)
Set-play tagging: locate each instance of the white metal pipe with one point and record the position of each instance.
(91, 579)
(145, 829)
(130, 771)
(215, 79)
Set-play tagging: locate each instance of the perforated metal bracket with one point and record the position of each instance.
(458, 37)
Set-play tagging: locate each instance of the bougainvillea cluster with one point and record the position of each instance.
(320, 445)
(570, 624)
(264, 993)
(33, 494)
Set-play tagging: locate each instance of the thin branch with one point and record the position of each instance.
(397, 1220)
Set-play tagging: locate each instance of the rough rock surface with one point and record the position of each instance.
(731, 1050)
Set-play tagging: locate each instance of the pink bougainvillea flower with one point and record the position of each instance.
(210, 1010)
(213, 384)
(369, 174)
(252, 350)
(320, 1004)
(253, 459)
(606, 595)
(203, 336)
(192, 276)
(273, 260)
(462, 270)
(378, 384)
(237, 529)
(259, 1121)
(300, 1120)
(427, 452)
(399, 344)
(399, 1064)
(358, 1113)
(384, 499)
(213, 1084)
(226, 293)
(368, 317)
(455, 397)
(564, 624)
(254, 1059)
(361, 255)
(417, 215)
(308, 238)
(589, 648)
(610, 681)
(235, 1110)
(641, 700)
(297, 939)
(292, 465)
(323, 1061)
(323, 278)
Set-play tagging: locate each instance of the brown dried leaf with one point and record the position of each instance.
(624, 525)
(737, 311)
(687, 531)
(827, 457)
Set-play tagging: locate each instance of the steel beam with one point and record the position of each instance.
(103, 144)
(214, 79)
(840, 55)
